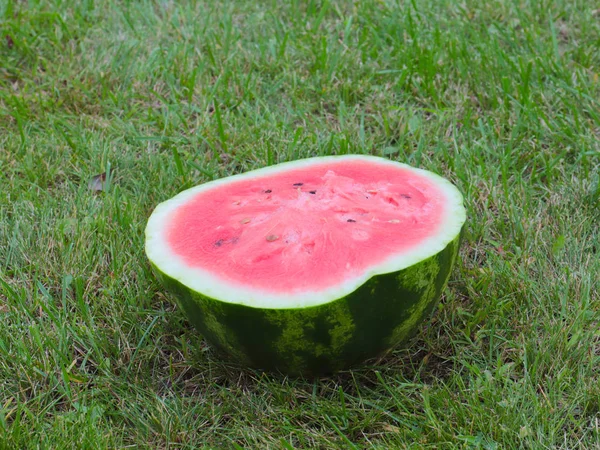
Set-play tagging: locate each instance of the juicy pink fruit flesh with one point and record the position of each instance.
(309, 228)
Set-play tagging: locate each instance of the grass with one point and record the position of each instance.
(502, 97)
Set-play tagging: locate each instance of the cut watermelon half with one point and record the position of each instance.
(309, 266)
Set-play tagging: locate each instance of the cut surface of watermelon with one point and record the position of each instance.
(303, 233)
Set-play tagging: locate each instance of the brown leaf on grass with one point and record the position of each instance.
(97, 182)
(224, 157)
(10, 43)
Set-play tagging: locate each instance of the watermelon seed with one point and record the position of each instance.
(246, 220)
(272, 237)
(298, 184)
(394, 221)
(237, 202)
(312, 192)
(405, 196)
(391, 201)
(268, 191)
(219, 243)
(350, 220)
(371, 192)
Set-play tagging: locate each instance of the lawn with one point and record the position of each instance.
(502, 97)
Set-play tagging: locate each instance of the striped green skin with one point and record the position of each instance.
(382, 313)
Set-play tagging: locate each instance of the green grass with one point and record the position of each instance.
(502, 97)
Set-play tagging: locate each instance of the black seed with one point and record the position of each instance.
(350, 220)
(268, 191)
(405, 196)
(312, 192)
(298, 184)
(219, 243)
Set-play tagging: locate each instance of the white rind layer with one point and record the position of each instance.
(169, 263)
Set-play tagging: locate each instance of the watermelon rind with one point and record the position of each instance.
(312, 332)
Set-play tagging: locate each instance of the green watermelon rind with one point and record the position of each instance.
(379, 315)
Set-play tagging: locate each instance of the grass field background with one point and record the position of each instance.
(501, 97)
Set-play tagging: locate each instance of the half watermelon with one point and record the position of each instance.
(311, 266)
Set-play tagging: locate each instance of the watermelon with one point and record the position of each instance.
(311, 266)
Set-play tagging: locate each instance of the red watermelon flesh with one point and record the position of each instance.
(307, 228)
